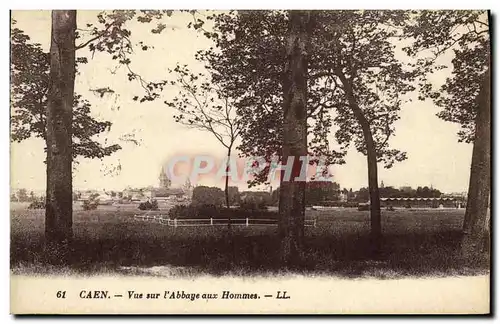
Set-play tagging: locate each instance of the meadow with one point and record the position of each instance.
(418, 243)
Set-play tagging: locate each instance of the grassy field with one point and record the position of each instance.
(416, 243)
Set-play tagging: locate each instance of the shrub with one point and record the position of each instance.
(211, 211)
(153, 205)
(207, 211)
(37, 204)
(181, 211)
(246, 213)
(204, 195)
(364, 207)
(90, 204)
(193, 211)
(253, 205)
(145, 205)
(262, 205)
(349, 204)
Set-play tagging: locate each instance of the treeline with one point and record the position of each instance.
(363, 194)
(318, 193)
(343, 61)
(22, 195)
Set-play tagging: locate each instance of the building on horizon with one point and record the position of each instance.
(164, 193)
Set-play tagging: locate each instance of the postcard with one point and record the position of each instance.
(250, 162)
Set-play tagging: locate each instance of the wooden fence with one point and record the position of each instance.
(214, 221)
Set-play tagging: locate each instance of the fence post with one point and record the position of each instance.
(175, 222)
(246, 223)
(314, 224)
(211, 221)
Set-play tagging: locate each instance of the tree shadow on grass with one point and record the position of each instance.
(347, 255)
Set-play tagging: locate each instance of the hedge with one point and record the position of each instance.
(211, 211)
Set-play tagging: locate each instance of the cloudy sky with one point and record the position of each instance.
(434, 155)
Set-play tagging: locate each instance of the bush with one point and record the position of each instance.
(153, 205)
(253, 205)
(344, 204)
(37, 204)
(364, 207)
(90, 204)
(204, 195)
(211, 211)
(192, 211)
(246, 213)
(182, 211)
(207, 211)
(350, 204)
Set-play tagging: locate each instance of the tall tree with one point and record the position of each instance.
(250, 44)
(292, 191)
(59, 124)
(203, 106)
(29, 87)
(476, 222)
(354, 81)
(464, 97)
(366, 84)
(59, 206)
(22, 195)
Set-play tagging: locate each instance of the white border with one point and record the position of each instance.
(254, 4)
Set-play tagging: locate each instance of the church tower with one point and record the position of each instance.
(188, 188)
(164, 180)
(187, 185)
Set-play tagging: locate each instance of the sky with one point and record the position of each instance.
(435, 158)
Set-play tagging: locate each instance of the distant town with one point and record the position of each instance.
(321, 194)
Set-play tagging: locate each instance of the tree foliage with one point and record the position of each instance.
(248, 61)
(203, 106)
(465, 99)
(359, 57)
(391, 192)
(318, 192)
(466, 35)
(203, 195)
(29, 86)
(354, 81)
(206, 107)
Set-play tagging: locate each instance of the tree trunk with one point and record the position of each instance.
(476, 213)
(226, 188)
(292, 193)
(375, 216)
(59, 208)
(371, 155)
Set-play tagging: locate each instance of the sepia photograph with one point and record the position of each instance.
(250, 162)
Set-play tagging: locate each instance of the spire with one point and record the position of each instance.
(187, 184)
(164, 180)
